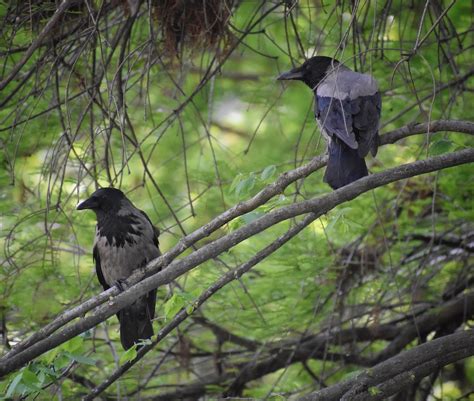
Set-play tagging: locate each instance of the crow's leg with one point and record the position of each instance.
(121, 284)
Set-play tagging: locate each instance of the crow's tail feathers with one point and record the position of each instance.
(344, 165)
(136, 320)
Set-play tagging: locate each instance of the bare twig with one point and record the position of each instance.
(37, 42)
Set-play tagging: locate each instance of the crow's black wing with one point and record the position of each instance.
(355, 122)
(100, 275)
(335, 117)
(366, 116)
(348, 107)
(136, 320)
(156, 230)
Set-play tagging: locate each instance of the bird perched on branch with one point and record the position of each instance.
(347, 108)
(125, 240)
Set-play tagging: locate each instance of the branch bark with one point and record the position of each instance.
(388, 377)
(465, 127)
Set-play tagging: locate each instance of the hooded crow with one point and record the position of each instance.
(125, 240)
(347, 108)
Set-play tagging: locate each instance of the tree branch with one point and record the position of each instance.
(182, 315)
(316, 206)
(454, 311)
(276, 188)
(388, 377)
(465, 127)
(38, 41)
(281, 355)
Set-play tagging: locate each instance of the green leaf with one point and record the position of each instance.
(80, 358)
(61, 361)
(338, 218)
(41, 377)
(236, 223)
(190, 296)
(235, 181)
(30, 380)
(251, 216)
(13, 385)
(268, 172)
(51, 355)
(73, 344)
(145, 341)
(214, 388)
(374, 390)
(440, 146)
(190, 309)
(245, 186)
(173, 305)
(129, 355)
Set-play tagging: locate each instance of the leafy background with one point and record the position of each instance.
(203, 147)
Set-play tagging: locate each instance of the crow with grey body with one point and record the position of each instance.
(347, 108)
(125, 240)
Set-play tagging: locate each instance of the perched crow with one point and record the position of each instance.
(347, 108)
(125, 240)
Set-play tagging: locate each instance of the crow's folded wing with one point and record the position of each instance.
(335, 117)
(156, 231)
(100, 275)
(348, 107)
(151, 297)
(366, 116)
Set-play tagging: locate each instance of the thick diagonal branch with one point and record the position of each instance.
(277, 187)
(317, 206)
(388, 377)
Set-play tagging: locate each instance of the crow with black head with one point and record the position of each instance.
(125, 240)
(347, 108)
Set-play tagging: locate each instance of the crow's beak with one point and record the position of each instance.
(295, 73)
(90, 203)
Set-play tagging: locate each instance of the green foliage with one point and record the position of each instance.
(180, 300)
(128, 355)
(32, 380)
(357, 265)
